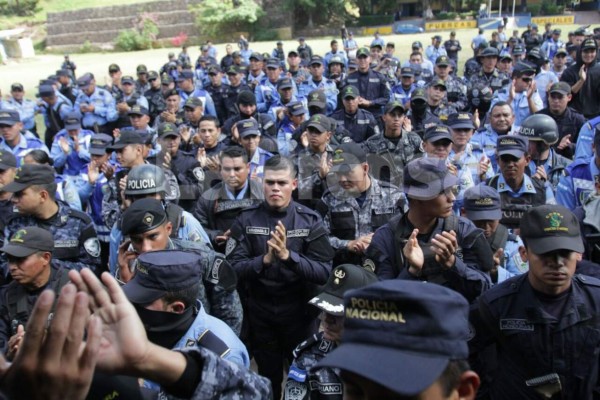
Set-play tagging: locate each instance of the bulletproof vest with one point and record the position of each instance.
(67, 91)
(18, 301)
(513, 208)
(175, 216)
(55, 120)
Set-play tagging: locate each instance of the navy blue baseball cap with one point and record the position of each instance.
(9, 117)
(514, 145)
(248, 127)
(73, 121)
(127, 138)
(46, 91)
(100, 143)
(438, 132)
(160, 272)
(296, 108)
(460, 120)
(7, 160)
(482, 202)
(284, 83)
(427, 177)
(549, 228)
(399, 325)
(343, 278)
(185, 74)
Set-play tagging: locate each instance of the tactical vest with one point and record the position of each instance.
(513, 208)
(56, 124)
(499, 239)
(175, 217)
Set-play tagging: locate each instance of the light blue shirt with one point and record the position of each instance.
(24, 146)
(104, 108)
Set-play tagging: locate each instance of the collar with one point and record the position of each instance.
(526, 187)
(240, 195)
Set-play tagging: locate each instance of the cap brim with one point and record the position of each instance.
(316, 103)
(552, 243)
(328, 303)
(98, 152)
(72, 127)
(444, 64)
(316, 126)
(4, 167)
(256, 133)
(138, 294)
(479, 215)
(285, 87)
(435, 138)
(381, 365)
(14, 187)
(300, 112)
(407, 75)
(18, 251)
(7, 122)
(350, 96)
(425, 193)
(462, 125)
(117, 146)
(560, 91)
(514, 153)
(169, 134)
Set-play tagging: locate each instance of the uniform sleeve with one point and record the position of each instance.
(5, 328)
(110, 205)
(384, 90)
(314, 263)
(296, 384)
(209, 107)
(226, 305)
(71, 196)
(103, 108)
(336, 243)
(583, 149)
(57, 154)
(381, 254)
(262, 103)
(89, 248)
(202, 214)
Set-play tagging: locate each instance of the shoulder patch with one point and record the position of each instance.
(199, 173)
(92, 247)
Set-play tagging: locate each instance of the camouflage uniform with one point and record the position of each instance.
(305, 382)
(347, 220)
(497, 80)
(387, 159)
(75, 241)
(310, 185)
(456, 93)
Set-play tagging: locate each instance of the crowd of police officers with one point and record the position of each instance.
(274, 170)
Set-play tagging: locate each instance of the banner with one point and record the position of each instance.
(554, 20)
(444, 25)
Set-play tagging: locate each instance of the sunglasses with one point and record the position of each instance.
(527, 80)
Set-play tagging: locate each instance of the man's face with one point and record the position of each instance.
(286, 95)
(170, 144)
(441, 206)
(116, 75)
(489, 63)
(154, 83)
(334, 47)
(209, 133)
(193, 114)
(128, 155)
(250, 143)
(560, 60)
(247, 109)
(333, 326)
(255, 65)
(376, 53)
(488, 226)
(216, 79)
(278, 186)
(551, 272)
(273, 74)
(153, 240)
(353, 180)
(293, 60)
(27, 201)
(173, 103)
(297, 119)
(99, 160)
(442, 71)
(390, 50)
(523, 83)
(363, 63)
(407, 81)
(90, 89)
(588, 55)
(393, 120)
(28, 270)
(335, 69)
(316, 70)
(436, 93)
(142, 77)
(229, 49)
(505, 65)
(10, 133)
(186, 85)
(139, 121)
(439, 148)
(234, 79)
(513, 168)
(350, 104)
(127, 88)
(317, 139)
(557, 102)
(578, 39)
(501, 119)
(17, 94)
(234, 172)
(461, 136)
(6, 177)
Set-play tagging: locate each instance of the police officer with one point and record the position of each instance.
(186, 88)
(429, 242)
(379, 340)
(235, 76)
(266, 91)
(392, 149)
(501, 118)
(218, 91)
(452, 47)
(13, 140)
(285, 91)
(403, 90)
(8, 167)
(141, 83)
(521, 317)
(129, 98)
(71, 147)
(419, 114)
(545, 164)
(356, 204)
(97, 105)
(372, 86)
(54, 110)
(255, 71)
(304, 380)
(165, 294)
(66, 85)
(574, 189)
(278, 249)
(32, 268)
(218, 207)
(246, 104)
(518, 191)
(318, 81)
(149, 228)
(154, 96)
(34, 198)
(26, 107)
(489, 75)
(456, 93)
(482, 206)
(360, 123)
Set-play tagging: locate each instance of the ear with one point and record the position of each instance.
(294, 183)
(366, 167)
(468, 385)
(169, 227)
(176, 307)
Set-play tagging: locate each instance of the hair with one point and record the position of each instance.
(333, 42)
(210, 118)
(501, 104)
(415, 53)
(280, 163)
(40, 157)
(187, 296)
(234, 152)
(450, 378)
(49, 187)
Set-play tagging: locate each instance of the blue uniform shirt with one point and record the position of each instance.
(24, 146)
(104, 108)
(74, 161)
(26, 109)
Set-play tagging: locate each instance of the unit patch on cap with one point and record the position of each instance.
(148, 219)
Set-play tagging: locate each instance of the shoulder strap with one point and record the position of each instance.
(500, 237)
(175, 216)
(210, 341)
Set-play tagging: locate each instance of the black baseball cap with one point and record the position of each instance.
(482, 202)
(548, 228)
(438, 132)
(407, 72)
(16, 87)
(28, 175)
(248, 127)
(168, 129)
(46, 91)
(128, 79)
(100, 143)
(7, 160)
(192, 102)
(560, 87)
(143, 216)
(284, 83)
(273, 63)
(347, 156)
(316, 60)
(588, 44)
(392, 105)
(138, 110)
(73, 121)
(363, 52)
(127, 138)
(343, 278)
(442, 61)
(113, 68)
(427, 177)
(296, 108)
(350, 91)
(246, 97)
(319, 122)
(257, 56)
(317, 98)
(160, 272)
(514, 145)
(27, 241)
(400, 325)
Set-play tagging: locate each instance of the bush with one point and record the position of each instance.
(142, 36)
(263, 35)
(534, 9)
(220, 17)
(21, 7)
(552, 9)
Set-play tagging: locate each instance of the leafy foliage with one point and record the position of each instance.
(141, 37)
(215, 17)
(18, 7)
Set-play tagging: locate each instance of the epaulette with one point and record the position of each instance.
(80, 215)
(506, 288)
(587, 280)
(304, 210)
(307, 344)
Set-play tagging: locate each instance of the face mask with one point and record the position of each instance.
(165, 328)
(419, 107)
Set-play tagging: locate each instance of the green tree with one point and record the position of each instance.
(310, 12)
(215, 17)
